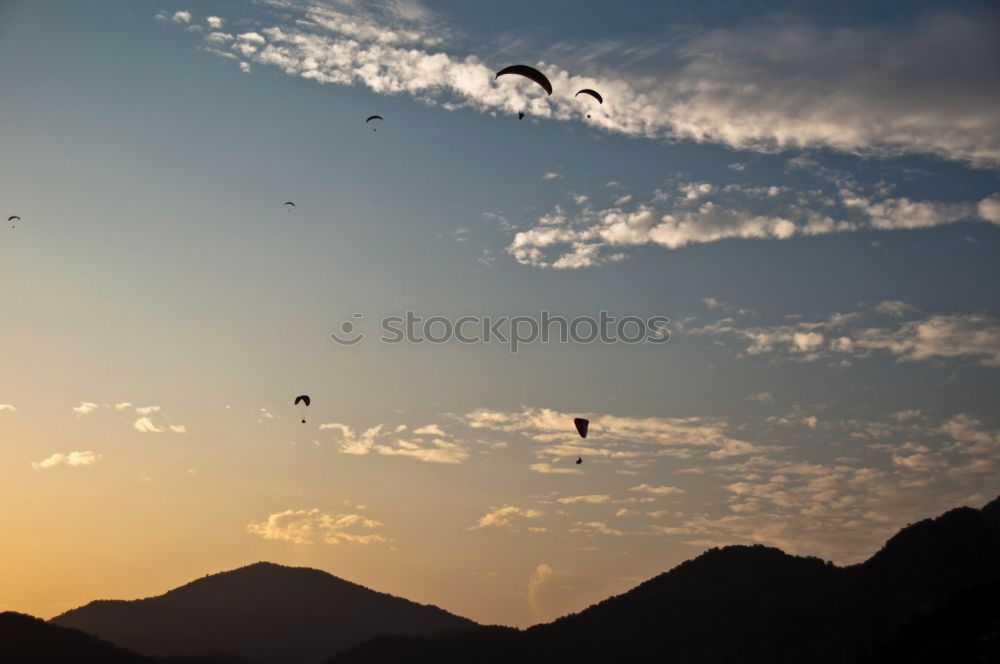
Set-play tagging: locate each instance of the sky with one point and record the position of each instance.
(809, 192)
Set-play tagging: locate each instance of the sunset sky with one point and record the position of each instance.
(809, 191)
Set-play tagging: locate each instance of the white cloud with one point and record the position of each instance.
(728, 86)
(549, 469)
(147, 410)
(437, 451)
(593, 499)
(551, 175)
(970, 336)
(145, 425)
(178, 428)
(123, 406)
(306, 526)
(214, 22)
(86, 408)
(350, 442)
(74, 459)
(245, 67)
(989, 208)
(375, 440)
(505, 516)
(627, 440)
(182, 16)
(7, 408)
(761, 397)
(657, 490)
(595, 528)
(895, 308)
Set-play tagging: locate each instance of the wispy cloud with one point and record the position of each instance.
(506, 516)
(843, 337)
(730, 86)
(700, 213)
(383, 440)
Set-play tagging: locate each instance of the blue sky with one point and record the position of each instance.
(810, 194)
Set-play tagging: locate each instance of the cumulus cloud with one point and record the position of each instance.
(86, 408)
(145, 425)
(7, 408)
(73, 459)
(730, 86)
(183, 17)
(989, 208)
(214, 22)
(306, 526)
(506, 516)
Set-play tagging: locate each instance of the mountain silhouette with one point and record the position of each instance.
(756, 605)
(263, 612)
(25, 639)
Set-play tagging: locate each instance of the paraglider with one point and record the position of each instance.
(303, 402)
(529, 73)
(520, 115)
(581, 426)
(374, 117)
(12, 219)
(593, 93)
(289, 205)
(579, 460)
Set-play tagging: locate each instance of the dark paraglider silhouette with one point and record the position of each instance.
(593, 93)
(289, 205)
(579, 460)
(529, 73)
(305, 402)
(581, 426)
(12, 219)
(520, 115)
(374, 117)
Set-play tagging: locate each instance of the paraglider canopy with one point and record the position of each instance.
(527, 72)
(290, 203)
(374, 117)
(11, 219)
(593, 93)
(581, 426)
(305, 401)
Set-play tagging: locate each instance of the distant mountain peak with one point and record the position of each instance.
(263, 611)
